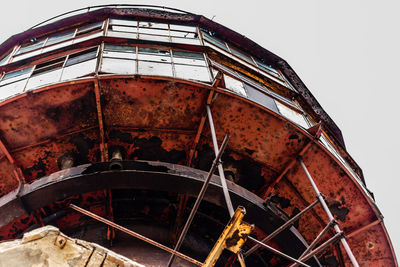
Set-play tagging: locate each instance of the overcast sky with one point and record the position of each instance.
(346, 52)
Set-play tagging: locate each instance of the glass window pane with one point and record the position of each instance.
(129, 35)
(157, 38)
(118, 66)
(186, 54)
(156, 58)
(60, 37)
(5, 59)
(292, 115)
(192, 73)
(153, 31)
(182, 28)
(189, 41)
(89, 28)
(122, 55)
(153, 51)
(79, 70)
(46, 78)
(241, 55)
(266, 68)
(157, 69)
(190, 61)
(12, 89)
(56, 46)
(148, 24)
(123, 22)
(234, 85)
(49, 66)
(81, 56)
(215, 41)
(124, 29)
(16, 75)
(30, 46)
(120, 48)
(184, 34)
(26, 55)
(261, 98)
(87, 37)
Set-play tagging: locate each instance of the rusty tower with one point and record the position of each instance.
(165, 122)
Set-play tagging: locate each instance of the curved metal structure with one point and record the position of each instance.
(120, 110)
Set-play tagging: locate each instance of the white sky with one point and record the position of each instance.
(346, 52)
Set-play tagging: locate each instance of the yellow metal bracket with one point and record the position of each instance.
(232, 238)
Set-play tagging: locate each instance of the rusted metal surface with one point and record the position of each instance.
(53, 111)
(158, 119)
(234, 37)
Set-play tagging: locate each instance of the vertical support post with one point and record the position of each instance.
(220, 168)
(328, 212)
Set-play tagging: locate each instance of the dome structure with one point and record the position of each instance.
(121, 110)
